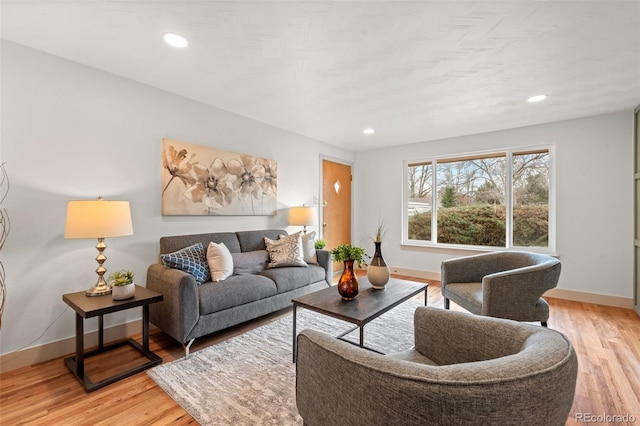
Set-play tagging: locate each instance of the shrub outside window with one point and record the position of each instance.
(498, 199)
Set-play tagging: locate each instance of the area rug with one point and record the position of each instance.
(250, 379)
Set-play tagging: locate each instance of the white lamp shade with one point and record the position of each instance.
(98, 219)
(303, 216)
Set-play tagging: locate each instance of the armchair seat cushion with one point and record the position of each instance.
(411, 355)
(467, 295)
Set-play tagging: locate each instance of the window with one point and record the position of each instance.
(498, 199)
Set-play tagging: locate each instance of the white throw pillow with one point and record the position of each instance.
(286, 251)
(309, 248)
(220, 261)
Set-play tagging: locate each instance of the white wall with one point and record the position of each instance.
(594, 198)
(73, 132)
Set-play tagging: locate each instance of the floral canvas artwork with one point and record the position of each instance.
(204, 181)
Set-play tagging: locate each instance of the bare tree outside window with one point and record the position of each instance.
(419, 200)
(477, 214)
(531, 199)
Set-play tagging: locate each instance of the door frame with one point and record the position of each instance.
(636, 210)
(323, 157)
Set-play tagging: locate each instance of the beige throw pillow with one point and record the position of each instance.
(220, 261)
(286, 251)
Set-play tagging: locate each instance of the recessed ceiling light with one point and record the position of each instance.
(368, 131)
(537, 98)
(175, 40)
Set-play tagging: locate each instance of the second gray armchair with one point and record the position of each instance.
(463, 370)
(507, 284)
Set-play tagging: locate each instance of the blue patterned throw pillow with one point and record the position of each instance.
(192, 260)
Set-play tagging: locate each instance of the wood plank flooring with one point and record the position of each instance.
(606, 339)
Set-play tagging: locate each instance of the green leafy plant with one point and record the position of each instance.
(122, 277)
(348, 252)
(320, 244)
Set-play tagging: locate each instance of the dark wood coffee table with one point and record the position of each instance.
(367, 306)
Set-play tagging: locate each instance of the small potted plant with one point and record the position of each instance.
(348, 282)
(122, 286)
(320, 244)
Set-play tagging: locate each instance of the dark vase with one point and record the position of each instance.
(378, 271)
(348, 282)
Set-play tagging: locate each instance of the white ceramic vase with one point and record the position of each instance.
(122, 292)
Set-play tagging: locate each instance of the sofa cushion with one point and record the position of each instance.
(220, 261)
(287, 251)
(234, 291)
(175, 243)
(254, 240)
(190, 259)
(250, 262)
(290, 278)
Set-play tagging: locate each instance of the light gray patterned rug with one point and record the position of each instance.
(250, 379)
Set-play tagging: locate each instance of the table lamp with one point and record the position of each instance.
(303, 216)
(98, 219)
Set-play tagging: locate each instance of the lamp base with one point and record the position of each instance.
(101, 288)
(98, 290)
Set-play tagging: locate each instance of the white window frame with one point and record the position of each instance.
(551, 249)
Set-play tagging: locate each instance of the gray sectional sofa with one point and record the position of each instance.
(190, 310)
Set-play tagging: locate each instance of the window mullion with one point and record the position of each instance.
(434, 201)
(509, 199)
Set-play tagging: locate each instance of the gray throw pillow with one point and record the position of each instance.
(250, 262)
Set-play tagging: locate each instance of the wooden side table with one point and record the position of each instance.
(89, 307)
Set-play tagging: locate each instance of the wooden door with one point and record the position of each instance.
(336, 205)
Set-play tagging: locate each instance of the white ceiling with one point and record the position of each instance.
(413, 70)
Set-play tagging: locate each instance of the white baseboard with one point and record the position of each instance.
(415, 273)
(49, 351)
(594, 298)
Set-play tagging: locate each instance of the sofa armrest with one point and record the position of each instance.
(324, 260)
(179, 311)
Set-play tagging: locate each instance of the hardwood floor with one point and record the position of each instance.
(606, 339)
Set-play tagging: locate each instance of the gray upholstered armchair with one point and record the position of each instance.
(464, 370)
(507, 284)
